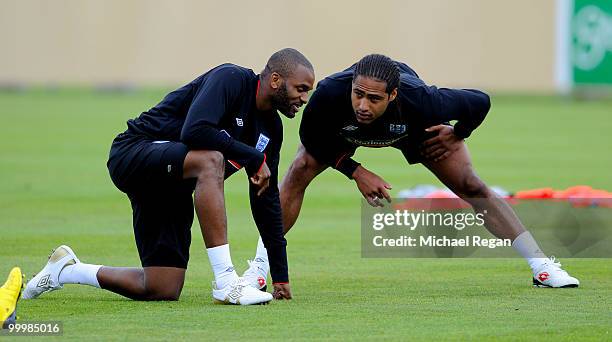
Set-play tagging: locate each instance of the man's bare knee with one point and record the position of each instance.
(209, 160)
(204, 163)
(304, 167)
(163, 292)
(302, 163)
(163, 283)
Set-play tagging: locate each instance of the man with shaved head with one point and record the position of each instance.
(196, 137)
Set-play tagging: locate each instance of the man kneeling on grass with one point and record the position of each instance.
(197, 136)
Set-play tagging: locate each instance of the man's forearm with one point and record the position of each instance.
(206, 137)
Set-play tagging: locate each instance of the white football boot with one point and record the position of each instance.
(551, 274)
(240, 292)
(48, 278)
(256, 273)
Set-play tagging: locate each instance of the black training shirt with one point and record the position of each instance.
(418, 106)
(217, 111)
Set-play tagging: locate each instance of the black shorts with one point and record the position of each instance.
(151, 174)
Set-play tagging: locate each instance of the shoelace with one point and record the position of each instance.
(556, 264)
(240, 282)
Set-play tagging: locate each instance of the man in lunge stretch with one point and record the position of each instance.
(379, 102)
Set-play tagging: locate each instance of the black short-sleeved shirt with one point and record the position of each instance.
(217, 111)
(329, 129)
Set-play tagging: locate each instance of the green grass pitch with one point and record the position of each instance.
(54, 189)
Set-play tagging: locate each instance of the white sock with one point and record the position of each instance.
(221, 263)
(80, 273)
(261, 252)
(261, 256)
(526, 246)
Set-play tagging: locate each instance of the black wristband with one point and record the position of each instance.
(347, 166)
(460, 131)
(240, 152)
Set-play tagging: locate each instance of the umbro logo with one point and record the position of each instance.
(239, 122)
(230, 269)
(44, 281)
(236, 292)
(258, 259)
(349, 128)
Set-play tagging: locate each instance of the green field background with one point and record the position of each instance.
(54, 189)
